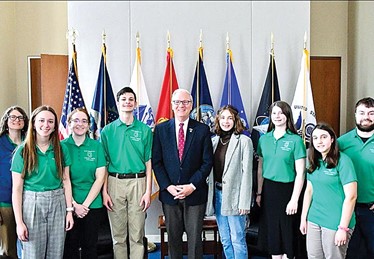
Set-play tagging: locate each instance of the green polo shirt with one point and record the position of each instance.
(85, 158)
(45, 176)
(127, 148)
(279, 156)
(328, 193)
(362, 156)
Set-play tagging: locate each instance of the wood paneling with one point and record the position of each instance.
(35, 81)
(54, 72)
(325, 78)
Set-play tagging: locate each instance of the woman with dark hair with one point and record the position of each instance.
(327, 216)
(281, 174)
(13, 125)
(87, 172)
(230, 181)
(41, 188)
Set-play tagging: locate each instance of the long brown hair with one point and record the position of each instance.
(286, 110)
(332, 157)
(238, 124)
(29, 152)
(4, 121)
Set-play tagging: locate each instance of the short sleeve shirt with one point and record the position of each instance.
(127, 147)
(362, 156)
(328, 193)
(45, 175)
(279, 156)
(86, 158)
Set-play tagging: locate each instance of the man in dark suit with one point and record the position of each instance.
(182, 158)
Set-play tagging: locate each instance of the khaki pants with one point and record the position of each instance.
(320, 243)
(8, 235)
(127, 217)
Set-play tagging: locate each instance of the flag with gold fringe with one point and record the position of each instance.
(169, 85)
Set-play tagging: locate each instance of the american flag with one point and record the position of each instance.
(73, 98)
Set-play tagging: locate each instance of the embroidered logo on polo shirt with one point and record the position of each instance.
(286, 146)
(330, 171)
(135, 135)
(89, 155)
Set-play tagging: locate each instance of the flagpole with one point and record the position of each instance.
(104, 73)
(170, 72)
(73, 37)
(228, 51)
(137, 73)
(200, 55)
(272, 68)
(305, 55)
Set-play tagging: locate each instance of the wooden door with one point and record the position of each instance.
(325, 78)
(48, 81)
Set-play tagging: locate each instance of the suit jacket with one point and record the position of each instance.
(196, 162)
(236, 177)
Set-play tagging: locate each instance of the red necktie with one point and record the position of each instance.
(180, 141)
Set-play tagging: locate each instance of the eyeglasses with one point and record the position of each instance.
(185, 102)
(14, 117)
(83, 121)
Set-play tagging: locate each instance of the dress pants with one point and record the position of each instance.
(8, 235)
(180, 218)
(84, 235)
(361, 245)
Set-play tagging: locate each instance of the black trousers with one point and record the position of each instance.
(180, 218)
(83, 235)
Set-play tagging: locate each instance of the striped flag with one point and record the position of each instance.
(73, 97)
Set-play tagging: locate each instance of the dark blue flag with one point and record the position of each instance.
(202, 102)
(104, 108)
(231, 94)
(270, 94)
(73, 97)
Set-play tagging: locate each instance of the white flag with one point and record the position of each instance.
(144, 111)
(304, 114)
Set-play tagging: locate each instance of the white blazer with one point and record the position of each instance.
(236, 178)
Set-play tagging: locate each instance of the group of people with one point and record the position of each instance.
(52, 192)
(337, 213)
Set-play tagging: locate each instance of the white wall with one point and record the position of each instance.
(361, 53)
(329, 30)
(249, 25)
(7, 43)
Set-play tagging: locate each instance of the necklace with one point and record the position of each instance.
(224, 143)
(42, 147)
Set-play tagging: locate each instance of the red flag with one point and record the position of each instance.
(169, 85)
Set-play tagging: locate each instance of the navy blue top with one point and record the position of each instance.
(6, 151)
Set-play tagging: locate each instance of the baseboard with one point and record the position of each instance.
(157, 238)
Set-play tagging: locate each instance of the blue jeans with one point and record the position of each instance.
(232, 231)
(362, 242)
